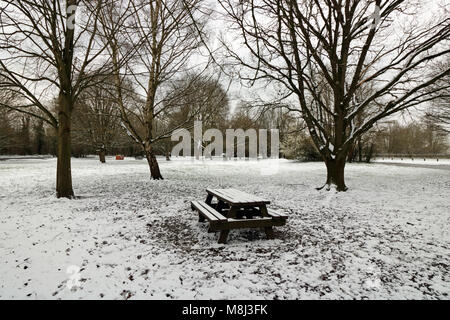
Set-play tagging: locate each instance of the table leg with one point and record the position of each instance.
(232, 212)
(210, 230)
(263, 210)
(220, 206)
(209, 198)
(223, 236)
(269, 232)
(251, 212)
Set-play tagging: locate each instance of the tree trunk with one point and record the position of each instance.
(369, 154)
(102, 156)
(63, 170)
(40, 136)
(360, 156)
(153, 164)
(335, 174)
(351, 153)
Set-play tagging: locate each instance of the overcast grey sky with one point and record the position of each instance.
(218, 28)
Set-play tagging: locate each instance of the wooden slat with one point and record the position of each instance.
(273, 213)
(241, 198)
(245, 195)
(237, 197)
(276, 214)
(196, 205)
(208, 212)
(227, 195)
(213, 211)
(249, 197)
(219, 195)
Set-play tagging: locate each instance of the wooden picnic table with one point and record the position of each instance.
(235, 209)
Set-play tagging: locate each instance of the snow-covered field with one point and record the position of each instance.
(387, 237)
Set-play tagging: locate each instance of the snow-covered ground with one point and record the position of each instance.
(387, 237)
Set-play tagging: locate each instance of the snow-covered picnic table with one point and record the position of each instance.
(235, 209)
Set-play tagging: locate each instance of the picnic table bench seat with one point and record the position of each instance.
(275, 214)
(207, 212)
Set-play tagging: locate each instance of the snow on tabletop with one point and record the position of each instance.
(132, 238)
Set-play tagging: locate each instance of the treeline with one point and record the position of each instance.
(98, 124)
(422, 137)
(417, 138)
(97, 129)
(24, 135)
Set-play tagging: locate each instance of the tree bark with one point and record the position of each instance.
(351, 153)
(335, 174)
(360, 156)
(153, 164)
(102, 156)
(369, 154)
(63, 170)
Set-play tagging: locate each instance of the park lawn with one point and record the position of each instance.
(133, 238)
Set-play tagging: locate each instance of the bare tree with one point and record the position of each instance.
(166, 34)
(194, 97)
(97, 118)
(46, 52)
(439, 111)
(349, 43)
(6, 131)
